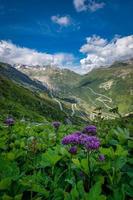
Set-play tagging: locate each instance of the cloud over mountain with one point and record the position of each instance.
(101, 52)
(12, 54)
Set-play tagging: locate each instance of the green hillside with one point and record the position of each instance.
(114, 82)
(20, 102)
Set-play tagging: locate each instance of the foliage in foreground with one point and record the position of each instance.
(35, 165)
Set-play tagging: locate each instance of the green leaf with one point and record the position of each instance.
(76, 162)
(120, 151)
(107, 151)
(95, 192)
(41, 190)
(129, 190)
(6, 197)
(9, 169)
(84, 165)
(120, 162)
(10, 156)
(74, 193)
(130, 144)
(58, 194)
(130, 160)
(130, 174)
(5, 183)
(70, 180)
(18, 197)
(80, 188)
(50, 158)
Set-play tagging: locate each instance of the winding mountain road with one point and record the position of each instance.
(73, 110)
(56, 100)
(102, 98)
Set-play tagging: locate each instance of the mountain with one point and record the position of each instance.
(103, 88)
(22, 97)
(21, 78)
(54, 77)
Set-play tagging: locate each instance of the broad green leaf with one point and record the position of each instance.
(5, 184)
(80, 188)
(120, 151)
(120, 162)
(6, 197)
(18, 197)
(50, 158)
(130, 144)
(74, 193)
(76, 162)
(40, 189)
(129, 190)
(11, 156)
(58, 194)
(107, 151)
(95, 191)
(84, 165)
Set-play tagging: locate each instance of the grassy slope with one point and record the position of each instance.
(19, 101)
(120, 91)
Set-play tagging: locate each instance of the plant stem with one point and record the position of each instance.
(89, 166)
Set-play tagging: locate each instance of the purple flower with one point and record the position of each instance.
(101, 157)
(90, 129)
(71, 138)
(73, 150)
(78, 138)
(56, 125)
(92, 143)
(81, 174)
(10, 121)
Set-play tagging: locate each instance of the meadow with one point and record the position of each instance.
(55, 161)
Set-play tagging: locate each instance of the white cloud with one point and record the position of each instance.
(12, 54)
(80, 5)
(101, 52)
(94, 6)
(90, 5)
(61, 20)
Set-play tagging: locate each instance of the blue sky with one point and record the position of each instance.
(30, 23)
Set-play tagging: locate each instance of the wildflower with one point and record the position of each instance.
(56, 125)
(71, 138)
(10, 121)
(73, 150)
(90, 129)
(101, 157)
(78, 138)
(92, 143)
(81, 174)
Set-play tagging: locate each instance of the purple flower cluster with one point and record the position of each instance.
(10, 121)
(93, 143)
(101, 157)
(78, 138)
(56, 125)
(73, 150)
(71, 138)
(90, 129)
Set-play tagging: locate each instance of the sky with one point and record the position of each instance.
(77, 34)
